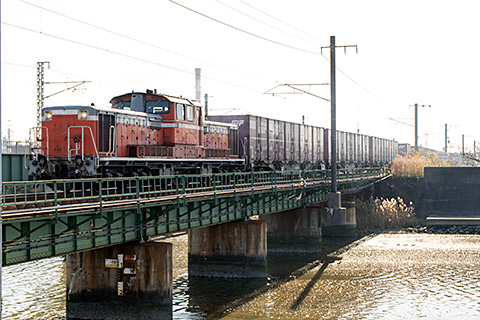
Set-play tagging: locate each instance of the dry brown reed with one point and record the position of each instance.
(385, 214)
(412, 164)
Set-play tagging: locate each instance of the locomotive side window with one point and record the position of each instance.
(189, 113)
(157, 107)
(180, 111)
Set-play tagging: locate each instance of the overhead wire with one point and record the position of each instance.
(124, 55)
(281, 21)
(244, 31)
(140, 41)
(264, 23)
(188, 57)
(281, 44)
(60, 72)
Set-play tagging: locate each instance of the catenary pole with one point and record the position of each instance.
(416, 126)
(446, 139)
(333, 102)
(333, 133)
(416, 105)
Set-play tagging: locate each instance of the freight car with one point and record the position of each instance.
(140, 134)
(267, 144)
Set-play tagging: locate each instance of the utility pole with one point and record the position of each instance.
(416, 122)
(337, 214)
(446, 139)
(333, 102)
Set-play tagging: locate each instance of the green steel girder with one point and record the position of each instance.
(99, 225)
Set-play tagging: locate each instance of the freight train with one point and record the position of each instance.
(155, 134)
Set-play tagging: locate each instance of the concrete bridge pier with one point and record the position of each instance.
(236, 249)
(127, 281)
(296, 230)
(338, 221)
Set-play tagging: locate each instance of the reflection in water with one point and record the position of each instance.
(34, 290)
(390, 276)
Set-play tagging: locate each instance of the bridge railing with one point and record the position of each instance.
(31, 194)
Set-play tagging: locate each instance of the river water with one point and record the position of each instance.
(386, 276)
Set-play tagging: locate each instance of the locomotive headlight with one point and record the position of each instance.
(48, 115)
(82, 114)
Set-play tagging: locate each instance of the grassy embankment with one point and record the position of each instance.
(394, 214)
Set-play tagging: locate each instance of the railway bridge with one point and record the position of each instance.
(106, 226)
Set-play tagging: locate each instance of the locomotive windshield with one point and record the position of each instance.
(160, 106)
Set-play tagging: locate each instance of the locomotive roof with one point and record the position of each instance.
(167, 97)
(96, 109)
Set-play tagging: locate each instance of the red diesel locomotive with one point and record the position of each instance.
(140, 134)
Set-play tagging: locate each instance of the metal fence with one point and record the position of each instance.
(15, 147)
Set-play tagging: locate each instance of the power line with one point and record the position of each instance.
(262, 22)
(244, 31)
(358, 84)
(60, 72)
(209, 63)
(139, 41)
(32, 67)
(188, 57)
(124, 55)
(283, 22)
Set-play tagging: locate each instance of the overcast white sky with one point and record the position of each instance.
(409, 52)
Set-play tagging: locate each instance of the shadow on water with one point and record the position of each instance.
(213, 298)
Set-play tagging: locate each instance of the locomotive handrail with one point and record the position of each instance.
(34, 129)
(83, 143)
(31, 195)
(111, 142)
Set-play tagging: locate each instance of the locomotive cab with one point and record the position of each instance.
(174, 125)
